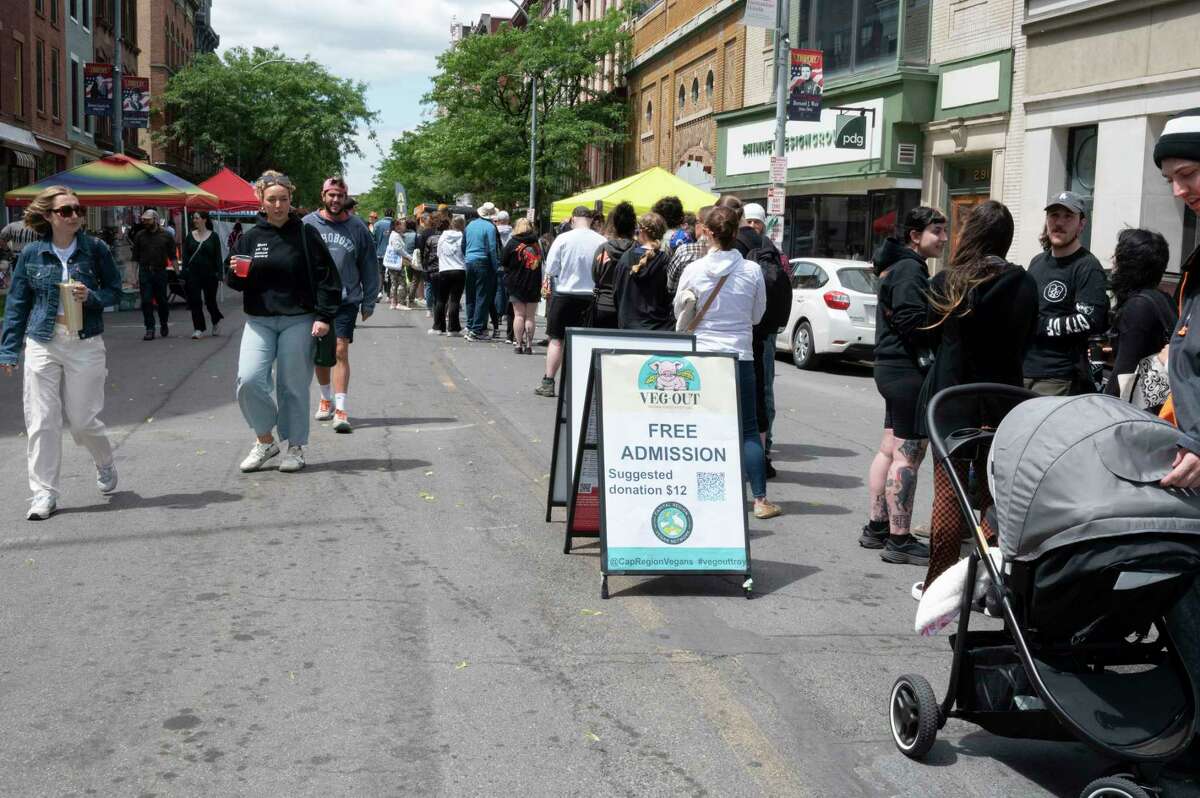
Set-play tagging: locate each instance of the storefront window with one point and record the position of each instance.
(1081, 171)
(843, 226)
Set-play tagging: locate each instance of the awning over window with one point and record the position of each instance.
(17, 138)
(25, 160)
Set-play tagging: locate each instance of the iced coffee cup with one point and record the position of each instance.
(72, 308)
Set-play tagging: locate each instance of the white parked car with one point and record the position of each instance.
(833, 311)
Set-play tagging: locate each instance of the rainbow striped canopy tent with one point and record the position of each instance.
(120, 180)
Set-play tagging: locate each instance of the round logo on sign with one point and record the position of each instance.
(1055, 290)
(671, 522)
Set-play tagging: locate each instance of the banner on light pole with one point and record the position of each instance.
(761, 14)
(98, 89)
(806, 86)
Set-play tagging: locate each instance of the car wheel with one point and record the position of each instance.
(802, 347)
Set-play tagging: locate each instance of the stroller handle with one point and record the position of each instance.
(974, 389)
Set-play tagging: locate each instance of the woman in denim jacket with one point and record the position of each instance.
(64, 370)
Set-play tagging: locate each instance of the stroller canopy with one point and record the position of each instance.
(1072, 469)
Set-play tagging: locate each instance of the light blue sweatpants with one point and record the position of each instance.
(286, 343)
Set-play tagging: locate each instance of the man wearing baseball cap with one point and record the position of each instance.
(569, 265)
(353, 250)
(153, 251)
(1072, 303)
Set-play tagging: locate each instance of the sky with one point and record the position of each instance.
(391, 45)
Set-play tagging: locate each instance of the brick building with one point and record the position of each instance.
(19, 149)
(686, 66)
(46, 44)
(166, 31)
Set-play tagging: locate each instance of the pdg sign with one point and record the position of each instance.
(851, 132)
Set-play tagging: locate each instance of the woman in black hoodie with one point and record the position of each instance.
(640, 286)
(902, 354)
(622, 228)
(985, 311)
(290, 292)
(522, 265)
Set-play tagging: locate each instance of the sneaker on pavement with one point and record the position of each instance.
(259, 455)
(197, 335)
(870, 539)
(432, 331)
(341, 422)
(764, 509)
(324, 410)
(546, 388)
(106, 478)
(293, 461)
(42, 507)
(905, 551)
(470, 336)
(149, 336)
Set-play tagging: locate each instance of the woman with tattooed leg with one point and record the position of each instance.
(903, 354)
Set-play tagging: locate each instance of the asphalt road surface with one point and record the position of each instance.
(398, 619)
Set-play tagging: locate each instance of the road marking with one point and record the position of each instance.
(446, 428)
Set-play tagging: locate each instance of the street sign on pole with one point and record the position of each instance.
(776, 200)
(778, 170)
(761, 14)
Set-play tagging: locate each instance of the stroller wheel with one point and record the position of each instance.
(913, 713)
(1113, 787)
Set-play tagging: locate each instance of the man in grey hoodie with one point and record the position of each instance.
(353, 250)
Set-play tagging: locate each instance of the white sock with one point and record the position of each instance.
(339, 402)
(326, 391)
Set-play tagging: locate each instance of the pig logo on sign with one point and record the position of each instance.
(667, 375)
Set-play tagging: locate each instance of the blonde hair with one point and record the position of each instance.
(37, 213)
(522, 226)
(272, 178)
(655, 227)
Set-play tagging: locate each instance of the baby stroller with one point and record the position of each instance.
(1095, 553)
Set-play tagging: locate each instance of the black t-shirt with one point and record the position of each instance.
(1072, 305)
(1142, 327)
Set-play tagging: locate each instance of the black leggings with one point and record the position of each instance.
(449, 289)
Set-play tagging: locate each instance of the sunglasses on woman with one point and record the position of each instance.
(67, 211)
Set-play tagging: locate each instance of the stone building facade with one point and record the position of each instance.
(687, 66)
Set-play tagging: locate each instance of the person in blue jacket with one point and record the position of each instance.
(481, 251)
(65, 367)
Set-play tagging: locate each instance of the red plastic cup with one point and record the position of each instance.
(241, 265)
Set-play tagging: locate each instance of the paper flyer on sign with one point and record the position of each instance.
(672, 476)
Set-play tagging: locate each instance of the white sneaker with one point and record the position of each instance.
(324, 410)
(42, 507)
(431, 331)
(293, 461)
(259, 455)
(197, 335)
(106, 478)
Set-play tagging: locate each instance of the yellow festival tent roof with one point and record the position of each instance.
(642, 190)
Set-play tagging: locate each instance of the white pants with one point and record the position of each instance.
(64, 376)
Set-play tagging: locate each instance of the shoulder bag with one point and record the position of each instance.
(689, 323)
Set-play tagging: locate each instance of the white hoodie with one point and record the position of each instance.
(726, 327)
(450, 252)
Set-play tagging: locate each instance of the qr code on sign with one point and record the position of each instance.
(710, 486)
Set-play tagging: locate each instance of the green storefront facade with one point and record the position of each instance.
(840, 202)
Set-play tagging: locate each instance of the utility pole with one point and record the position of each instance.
(118, 138)
(783, 73)
(533, 152)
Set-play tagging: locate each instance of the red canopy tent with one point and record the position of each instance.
(232, 192)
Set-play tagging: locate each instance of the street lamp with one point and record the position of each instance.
(532, 129)
(239, 130)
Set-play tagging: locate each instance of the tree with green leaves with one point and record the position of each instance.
(478, 138)
(258, 109)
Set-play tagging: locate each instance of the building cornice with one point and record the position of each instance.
(711, 14)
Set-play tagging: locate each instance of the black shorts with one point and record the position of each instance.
(567, 310)
(900, 388)
(344, 321)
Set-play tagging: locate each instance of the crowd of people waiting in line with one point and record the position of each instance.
(984, 319)
(309, 279)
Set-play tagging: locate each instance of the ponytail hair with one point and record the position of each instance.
(655, 228)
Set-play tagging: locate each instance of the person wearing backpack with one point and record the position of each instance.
(622, 228)
(1144, 316)
(756, 246)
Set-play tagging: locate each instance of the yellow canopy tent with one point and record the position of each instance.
(642, 190)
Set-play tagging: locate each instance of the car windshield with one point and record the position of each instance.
(863, 281)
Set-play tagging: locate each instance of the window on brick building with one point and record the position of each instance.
(649, 112)
(74, 78)
(19, 78)
(85, 6)
(54, 11)
(682, 101)
(695, 91)
(39, 7)
(55, 85)
(709, 85)
(73, 9)
(39, 75)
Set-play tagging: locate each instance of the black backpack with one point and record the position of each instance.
(779, 285)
